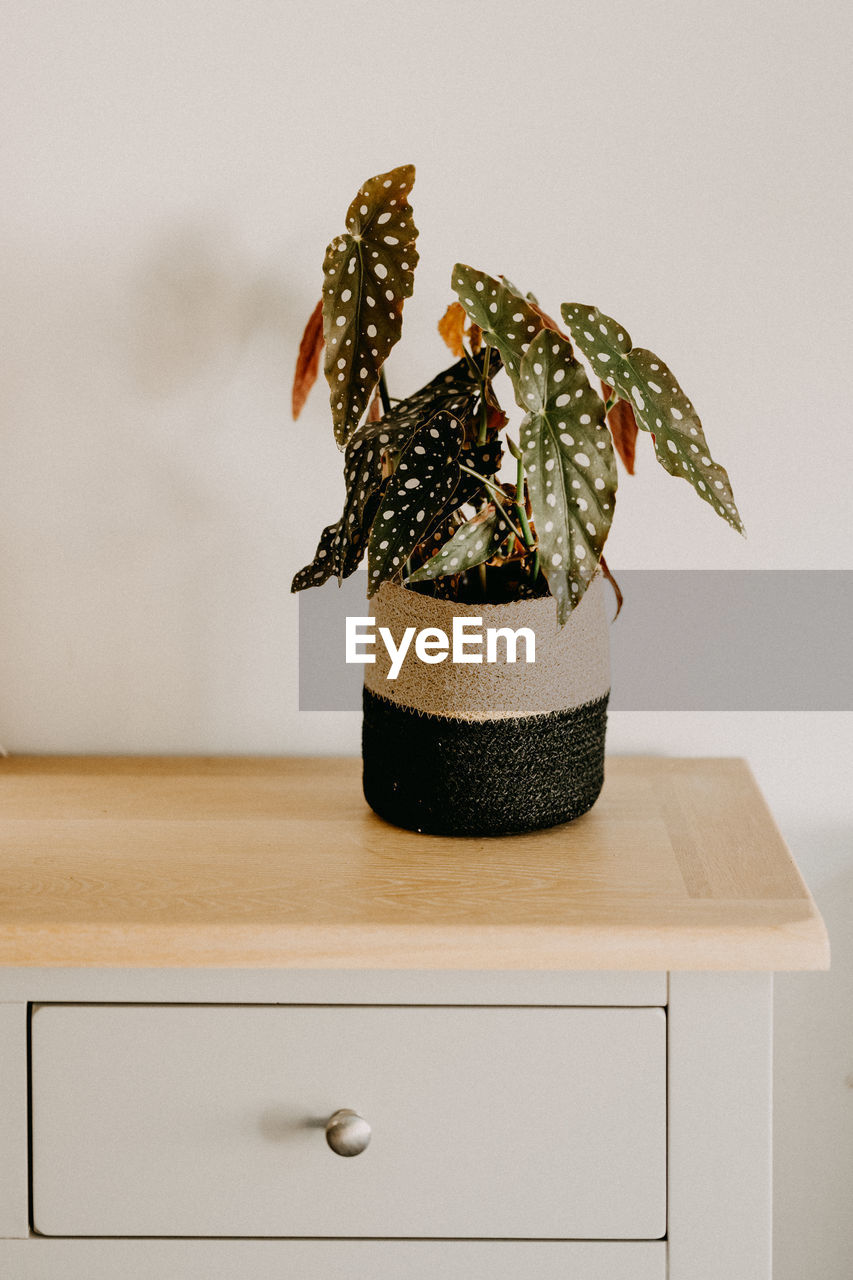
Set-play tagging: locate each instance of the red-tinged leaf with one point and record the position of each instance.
(374, 413)
(451, 327)
(496, 419)
(547, 321)
(308, 359)
(623, 428)
(617, 590)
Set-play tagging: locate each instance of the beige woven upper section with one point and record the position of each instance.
(572, 664)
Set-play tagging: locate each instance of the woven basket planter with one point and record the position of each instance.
(488, 749)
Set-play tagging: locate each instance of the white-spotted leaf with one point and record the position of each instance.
(455, 390)
(660, 406)
(486, 460)
(333, 551)
(570, 465)
(369, 271)
(341, 546)
(473, 544)
(424, 480)
(508, 320)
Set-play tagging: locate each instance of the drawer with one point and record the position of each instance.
(513, 1123)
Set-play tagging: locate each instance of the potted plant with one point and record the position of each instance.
(451, 743)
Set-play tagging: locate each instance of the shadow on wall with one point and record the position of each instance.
(814, 1090)
(146, 517)
(195, 304)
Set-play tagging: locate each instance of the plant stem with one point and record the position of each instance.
(522, 511)
(494, 493)
(519, 502)
(486, 481)
(484, 421)
(482, 571)
(383, 392)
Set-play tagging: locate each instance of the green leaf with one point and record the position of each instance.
(426, 477)
(571, 468)
(508, 321)
(659, 404)
(473, 544)
(369, 272)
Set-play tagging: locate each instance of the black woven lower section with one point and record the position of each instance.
(490, 778)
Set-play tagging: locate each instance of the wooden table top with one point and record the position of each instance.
(259, 862)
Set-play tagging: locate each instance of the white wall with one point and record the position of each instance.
(172, 172)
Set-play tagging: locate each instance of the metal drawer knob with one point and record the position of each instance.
(347, 1133)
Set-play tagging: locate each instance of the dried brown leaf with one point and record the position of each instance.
(308, 359)
(617, 591)
(623, 428)
(451, 326)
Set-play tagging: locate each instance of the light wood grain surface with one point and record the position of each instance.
(278, 862)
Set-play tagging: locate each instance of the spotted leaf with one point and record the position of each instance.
(658, 403)
(455, 390)
(473, 544)
(571, 468)
(341, 546)
(486, 460)
(508, 320)
(369, 272)
(325, 559)
(425, 478)
(333, 552)
(308, 360)
(340, 551)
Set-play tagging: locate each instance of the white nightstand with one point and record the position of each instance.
(559, 1045)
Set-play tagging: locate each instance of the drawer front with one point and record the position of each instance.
(509, 1123)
